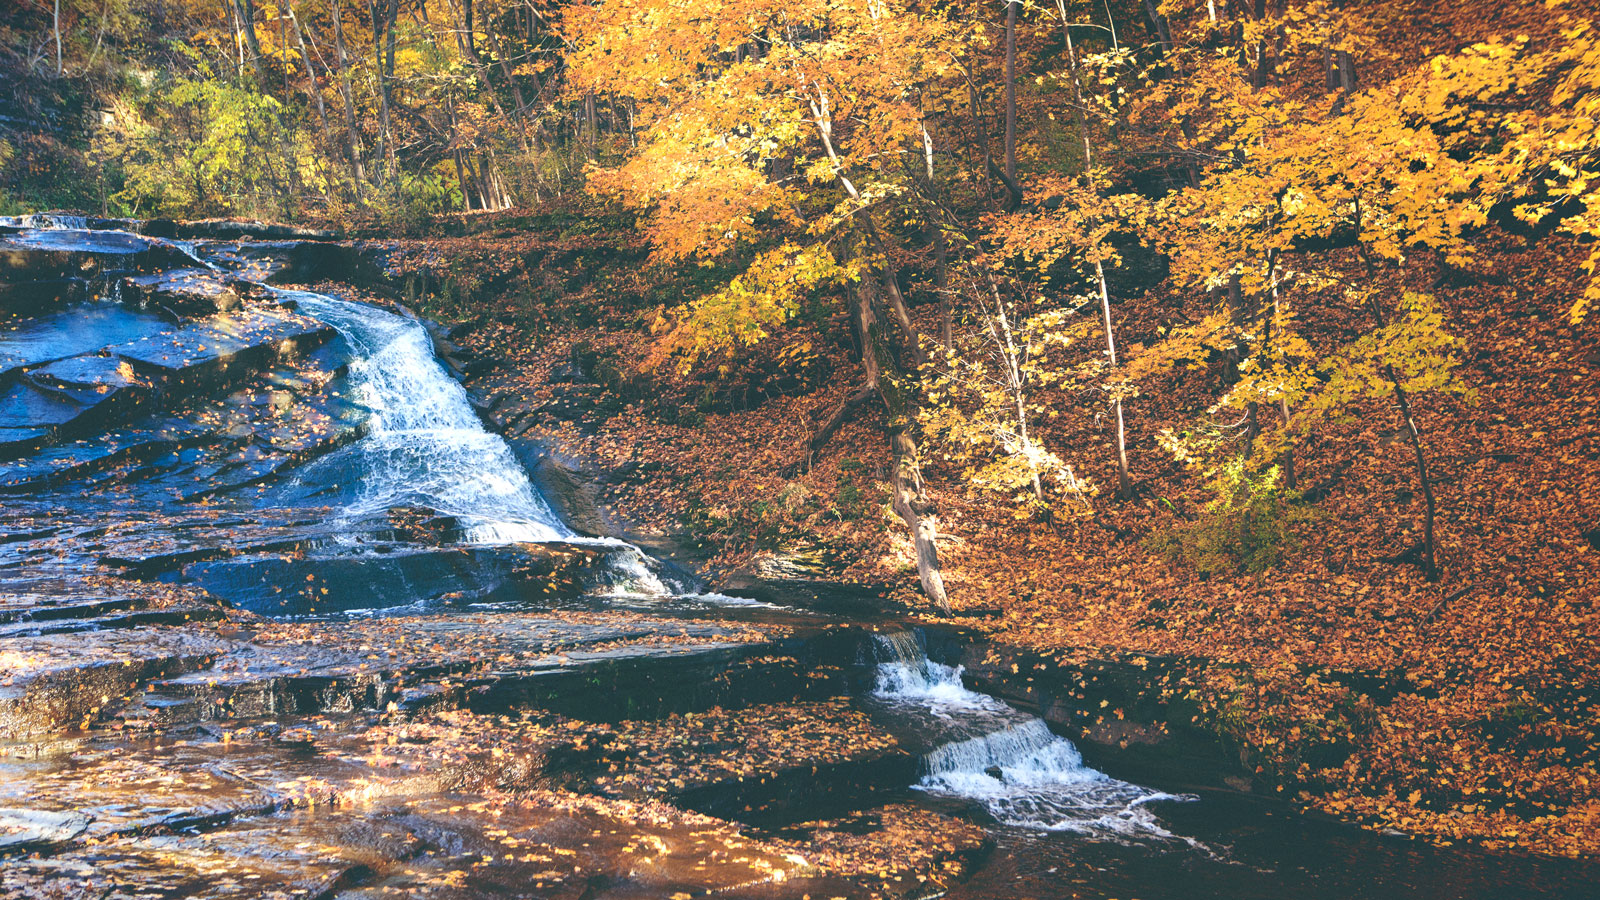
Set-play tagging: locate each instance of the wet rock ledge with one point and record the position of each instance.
(198, 700)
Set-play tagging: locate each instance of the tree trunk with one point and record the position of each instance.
(911, 501)
(247, 28)
(981, 128)
(346, 95)
(383, 16)
(1286, 461)
(591, 125)
(1011, 90)
(505, 72)
(1430, 566)
(311, 75)
(1000, 330)
(1124, 480)
(56, 21)
(1163, 30)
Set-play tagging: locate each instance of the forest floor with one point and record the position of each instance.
(1461, 710)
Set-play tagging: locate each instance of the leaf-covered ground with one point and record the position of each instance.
(1486, 728)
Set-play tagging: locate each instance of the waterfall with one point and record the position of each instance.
(55, 222)
(424, 445)
(47, 222)
(1007, 761)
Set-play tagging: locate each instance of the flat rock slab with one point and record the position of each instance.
(557, 845)
(112, 788)
(208, 351)
(605, 665)
(73, 332)
(394, 576)
(30, 830)
(55, 682)
(247, 228)
(30, 255)
(186, 292)
(283, 261)
(782, 762)
(20, 441)
(544, 845)
(81, 459)
(299, 855)
(74, 396)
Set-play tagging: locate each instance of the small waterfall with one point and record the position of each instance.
(1021, 772)
(425, 446)
(47, 222)
(190, 249)
(56, 222)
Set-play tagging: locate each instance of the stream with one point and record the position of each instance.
(1062, 828)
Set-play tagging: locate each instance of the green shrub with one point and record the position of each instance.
(1248, 527)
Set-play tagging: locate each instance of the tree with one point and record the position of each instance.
(833, 86)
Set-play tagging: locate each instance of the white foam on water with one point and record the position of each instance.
(425, 445)
(47, 222)
(1024, 774)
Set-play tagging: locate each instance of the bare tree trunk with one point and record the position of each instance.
(57, 24)
(505, 69)
(982, 130)
(1286, 461)
(1011, 89)
(247, 28)
(1163, 31)
(311, 75)
(591, 125)
(1124, 480)
(1000, 330)
(464, 44)
(1430, 565)
(383, 16)
(352, 135)
(911, 500)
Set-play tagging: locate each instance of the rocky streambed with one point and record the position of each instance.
(280, 617)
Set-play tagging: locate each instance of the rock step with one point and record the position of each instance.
(283, 261)
(183, 292)
(33, 615)
(32, 255)
(55, 682)
(220, 349)
(137, 618)
(86, 458)
(73, 396)
(389, 576)
(543, 844)
(770, 764)
(78, 332)
(601, 667)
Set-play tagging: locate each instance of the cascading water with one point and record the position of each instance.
(424, 444)
(426, 447)
(1009, 762)
(73, 232)
(47, 222)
